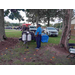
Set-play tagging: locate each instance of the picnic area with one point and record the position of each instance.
(14, 52)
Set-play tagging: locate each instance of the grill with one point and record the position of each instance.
(53, 32)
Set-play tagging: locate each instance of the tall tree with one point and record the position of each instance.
(58, 25)
(34, 15)
(66, 27)
(66, 15)
(12, 14)
(49, 15)
(2, 29)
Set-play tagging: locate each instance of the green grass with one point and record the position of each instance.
(54, 40)
(13, 33)
(11, 30)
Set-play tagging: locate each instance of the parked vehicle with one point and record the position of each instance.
(51, 31)
(8, 27)
(32, 28)
(17, 27)
(57, 29)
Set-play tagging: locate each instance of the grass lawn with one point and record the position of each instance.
(21, 55)
(17, 34)
(13, 33)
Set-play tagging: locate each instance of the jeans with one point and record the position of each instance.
(38, 41)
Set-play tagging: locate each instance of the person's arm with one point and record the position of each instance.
(37, 33)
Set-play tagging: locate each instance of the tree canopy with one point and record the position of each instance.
(36, 15)
(14, 14)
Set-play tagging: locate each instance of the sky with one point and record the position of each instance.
(25, 18)
(16, 21)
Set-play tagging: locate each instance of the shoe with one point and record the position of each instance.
(36, 48)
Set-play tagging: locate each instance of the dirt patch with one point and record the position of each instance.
(9, 43)
(48, 54)
(59, 51)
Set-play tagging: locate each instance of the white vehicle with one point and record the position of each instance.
(51, 31)
(32, 28)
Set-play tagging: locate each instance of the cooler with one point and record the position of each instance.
(44, 38)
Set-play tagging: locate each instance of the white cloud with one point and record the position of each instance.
(24, 16)
(11, 21)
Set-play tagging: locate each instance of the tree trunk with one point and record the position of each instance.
(2, 28)
(48, 21)
(66, 29)
(37, 20)
(19, 22)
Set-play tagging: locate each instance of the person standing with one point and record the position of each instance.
(38, 36)
(23, 28)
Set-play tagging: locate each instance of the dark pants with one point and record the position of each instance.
(38, 41)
